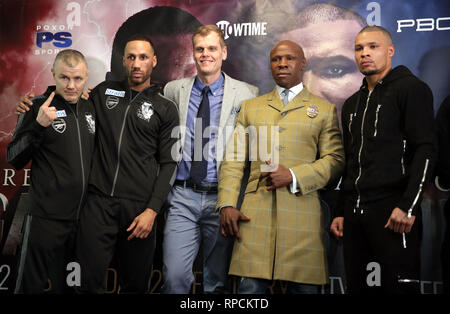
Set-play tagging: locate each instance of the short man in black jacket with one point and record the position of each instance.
(390, 151)
(57, 135)
(133, 169)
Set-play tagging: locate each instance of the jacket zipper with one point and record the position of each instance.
(350, 126)
(120, 141)
(420, 187)
(417, 195)
(81, 159)
(360, 151)
(403, 155)
(376, 120)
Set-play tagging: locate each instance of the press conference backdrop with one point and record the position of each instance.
(33, 32)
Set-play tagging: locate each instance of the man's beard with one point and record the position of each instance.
(137, 81)
(369, 73)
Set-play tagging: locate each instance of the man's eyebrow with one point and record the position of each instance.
(315, 62)
(369, 43)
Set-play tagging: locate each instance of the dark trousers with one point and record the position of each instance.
(102, 234)
(47, 247)
(366, 240)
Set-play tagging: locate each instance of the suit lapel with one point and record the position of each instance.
(184, 96)
(299, 101)
(274, 100)
(229, 93)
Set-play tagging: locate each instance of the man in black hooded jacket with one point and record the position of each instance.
(390, 150)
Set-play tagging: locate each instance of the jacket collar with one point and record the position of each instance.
(299, 101)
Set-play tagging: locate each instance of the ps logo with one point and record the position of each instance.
(60, 40)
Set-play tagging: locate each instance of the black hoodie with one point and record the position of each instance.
(60, 153)
(397, 150)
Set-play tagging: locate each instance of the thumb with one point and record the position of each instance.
(133, 224)
(243, 217)
(388, 223)
(49, 100)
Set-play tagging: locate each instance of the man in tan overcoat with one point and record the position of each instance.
(292, 141)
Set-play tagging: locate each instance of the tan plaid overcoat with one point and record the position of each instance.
(284, 237)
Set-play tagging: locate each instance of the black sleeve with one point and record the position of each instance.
(420, 132)
(443, 125)
(339, 210)
(26, 139)
(168, 156)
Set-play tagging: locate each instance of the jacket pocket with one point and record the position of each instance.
(403, 157)
(376, 121)
(252, 186)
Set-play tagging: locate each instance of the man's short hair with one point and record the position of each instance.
(141, 37)
(154, 21)
(69, 57)
(321, 13)
(205, 30)
(376, 28)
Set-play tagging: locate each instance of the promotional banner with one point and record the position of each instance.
(33, 32)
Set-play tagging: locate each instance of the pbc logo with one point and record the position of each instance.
(60, 39)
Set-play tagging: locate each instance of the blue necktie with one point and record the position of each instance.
(199, 164)
(285, 97)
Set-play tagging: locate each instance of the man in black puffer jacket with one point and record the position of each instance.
(390, 149)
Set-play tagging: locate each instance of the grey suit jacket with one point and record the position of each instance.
(179, 91)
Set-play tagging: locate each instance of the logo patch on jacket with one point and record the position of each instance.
(111, 102)
(90, 122)
(312, 111)
(114, 92)
(145, 112)
(59, 125)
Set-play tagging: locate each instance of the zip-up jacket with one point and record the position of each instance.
(135, 156)
(389, 141)
(60, 156)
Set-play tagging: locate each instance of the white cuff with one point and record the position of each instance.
(293, 187)
(221, 207)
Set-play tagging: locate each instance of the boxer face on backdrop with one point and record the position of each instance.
(139, 60)
(287, 62)
(70, 78)
(177, 62)
(331, 72)
(209, 53)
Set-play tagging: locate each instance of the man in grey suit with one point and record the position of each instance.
(208, 106)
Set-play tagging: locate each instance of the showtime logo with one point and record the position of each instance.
(242, 29)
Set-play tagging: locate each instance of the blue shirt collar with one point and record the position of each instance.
(214, 87)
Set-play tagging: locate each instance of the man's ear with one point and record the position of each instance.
(391, 51)
(225, 53)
